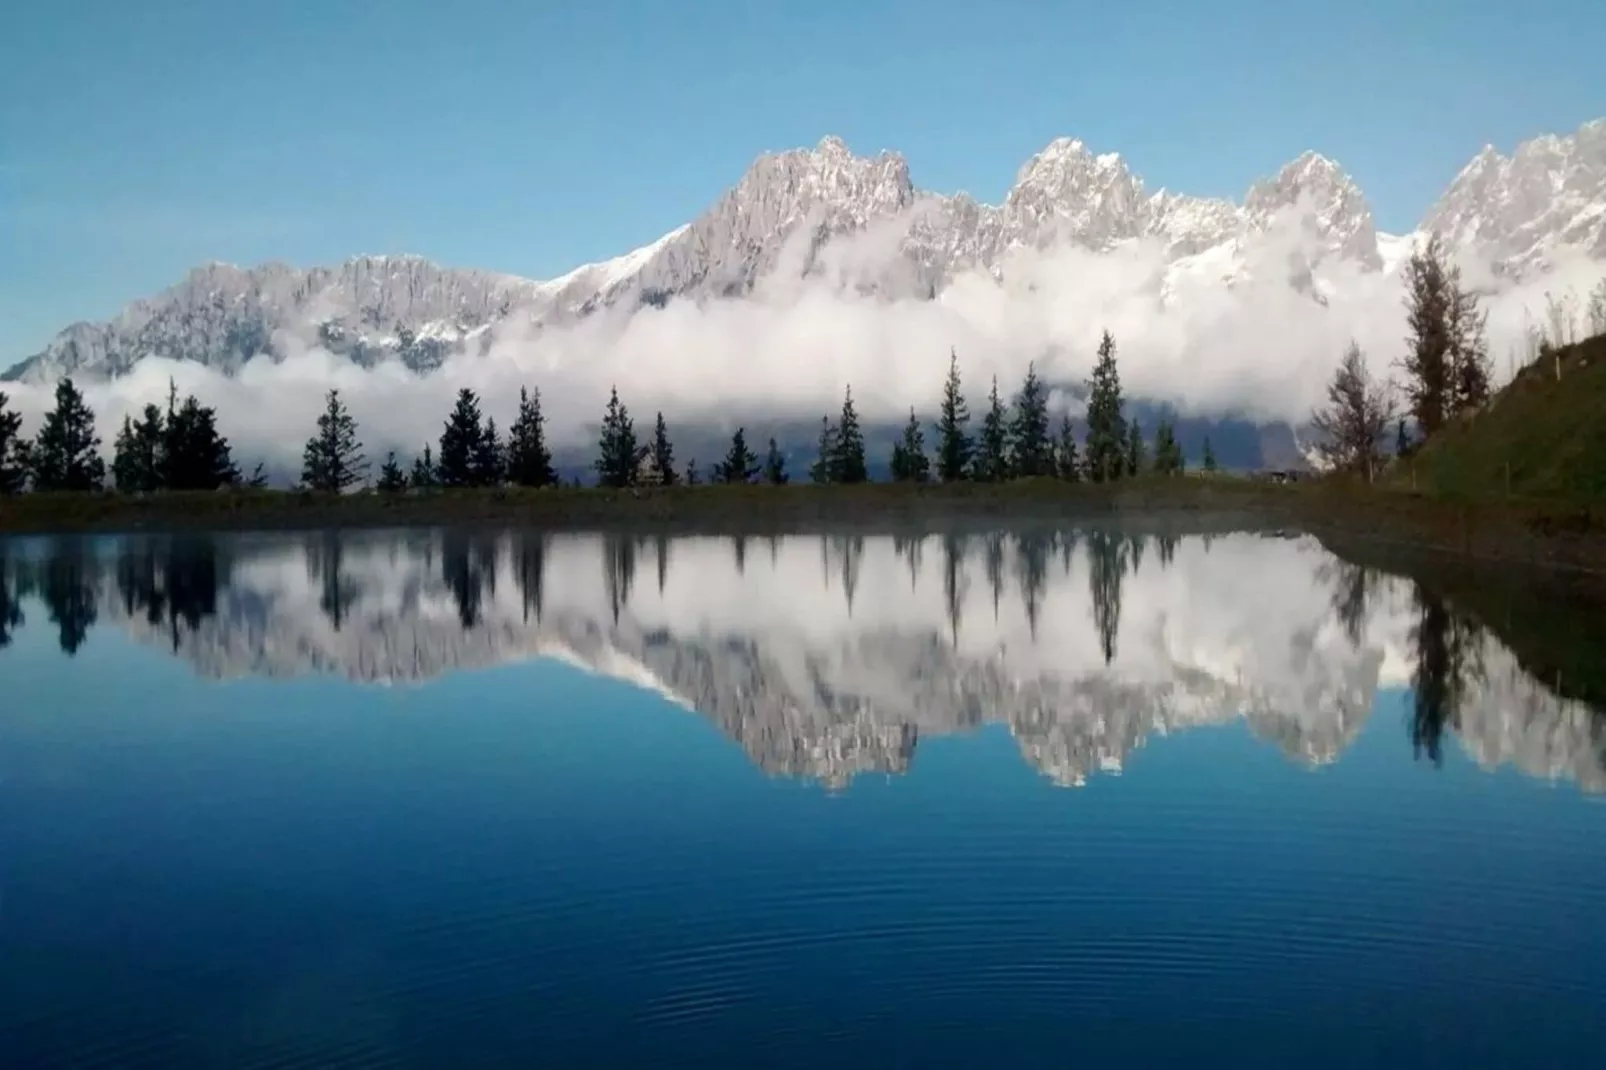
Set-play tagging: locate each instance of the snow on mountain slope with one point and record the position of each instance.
(857, 224)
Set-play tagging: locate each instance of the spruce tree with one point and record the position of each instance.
(617, 453)
(1168, 460)
(662, 453)
(775, 466)
(820, 470)
(739, 465)
(1031, 452)
(1430, 304)
(909, 461)
(13, 452)
(391, 479)
(1106, 429)
(1135, 461)
(953, 420)
(1066, 464)
(66, 452)
(333, 460)
(1208, 463)
(487, 462)
(847, 457)
(529, 462)
(137, 455)
(460, 442)
(991, 461)
(194, 455)
(423, 474)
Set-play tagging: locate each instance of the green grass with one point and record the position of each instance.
(1543, 438)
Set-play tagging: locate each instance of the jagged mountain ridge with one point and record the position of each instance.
(858, 222)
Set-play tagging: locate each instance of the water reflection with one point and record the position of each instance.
(827, 656)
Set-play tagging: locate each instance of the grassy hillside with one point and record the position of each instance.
(1542, 437)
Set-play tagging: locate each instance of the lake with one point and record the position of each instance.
(1031, 798)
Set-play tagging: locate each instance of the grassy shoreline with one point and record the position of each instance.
(1552, 534)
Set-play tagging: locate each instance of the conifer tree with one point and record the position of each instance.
(529, 462)
(66, 452)
(662, 453)
(391, 479)
(258, 479)
(1066, 464)
(13, 450)
(820, 470)
(1135, 460)
(1031, 452)
(991, 461)
(460, 442)
(1106, 428)
(739, 465)
(137, 455)
(1430, 303)
(193, 455)
(953, 420)
(692, 479)
(1208, 463)
(1402, 440)
(1168, 460)
(333, 459)
(423, 474)
(909, 461)
(847, 457)
(1354, 424)
(487, 462)
(775, 466)
(1469, 348)
(617, 452)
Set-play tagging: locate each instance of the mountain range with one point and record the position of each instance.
(857, 224)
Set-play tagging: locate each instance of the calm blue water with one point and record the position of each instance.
(435, 799)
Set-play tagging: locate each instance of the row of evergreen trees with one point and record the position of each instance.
(176, 449)
(181, 448)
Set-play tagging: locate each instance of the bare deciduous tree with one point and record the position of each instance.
(1356, 419)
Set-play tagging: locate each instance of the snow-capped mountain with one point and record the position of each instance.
(857, 223)
(828, 657)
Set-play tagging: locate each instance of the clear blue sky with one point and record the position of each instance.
(140, 138)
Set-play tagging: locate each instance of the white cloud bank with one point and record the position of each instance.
(1258, 348)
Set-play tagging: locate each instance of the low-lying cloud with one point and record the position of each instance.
(1258, 347)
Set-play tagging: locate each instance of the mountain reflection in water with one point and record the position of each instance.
(828, 656)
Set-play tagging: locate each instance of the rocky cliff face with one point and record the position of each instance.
(857, 223)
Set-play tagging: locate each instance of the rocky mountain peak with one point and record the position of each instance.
(1328, 205)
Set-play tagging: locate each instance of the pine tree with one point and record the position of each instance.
(13, 452)
(1066, 464)
(820, 470)
(487, 462)
(1106, 428)
(1430, 301)
(953, 439)
(1469, 348)
(333, 459)
(137, 456)
(423, 474)
(847, 456)
(1135, 460)
(775, 466)
(1354, 424)
(692, 479)
(194, 456)
(991, 461)
(909, 461)
(1031, 452)
(739, 465)
(460, 442)
(66, 452)
(662, 453)
(1209, 461)
(391, 479)
(1168, 459)
(617, 453)
(529, 462)
(258, 479)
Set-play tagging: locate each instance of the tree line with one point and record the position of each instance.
(181, 449)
